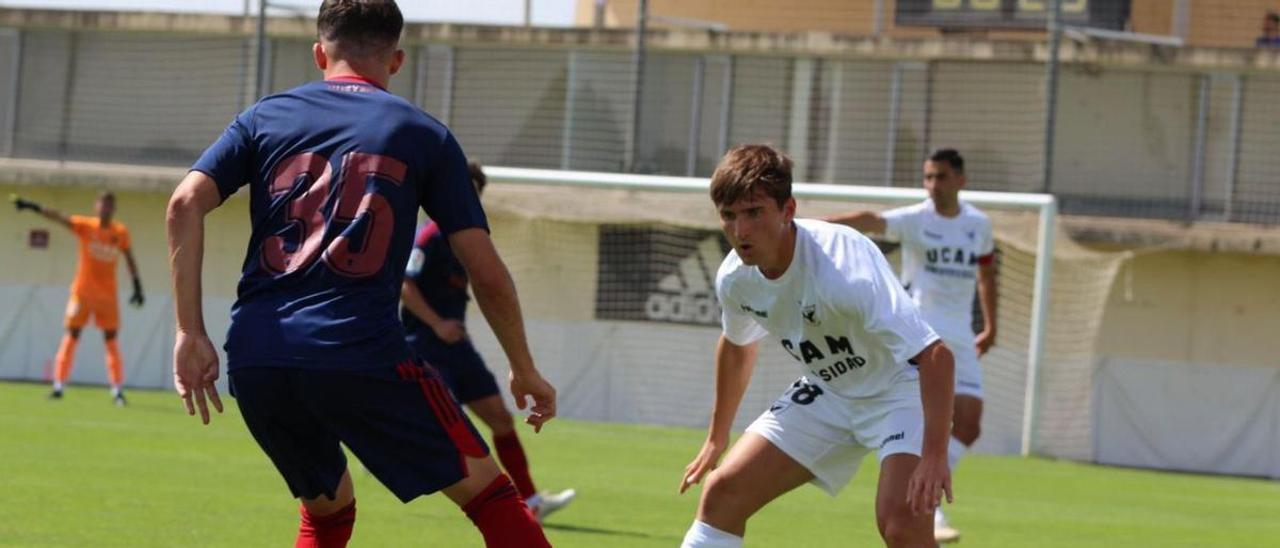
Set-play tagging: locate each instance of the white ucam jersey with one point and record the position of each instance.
(940, 258)
(838, 310)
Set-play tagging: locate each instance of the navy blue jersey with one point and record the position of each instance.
(439, 276)
(336, 173)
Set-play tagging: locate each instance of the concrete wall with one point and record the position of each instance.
(1195, 308)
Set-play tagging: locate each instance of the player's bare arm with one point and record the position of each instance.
(448, 329)
(865, 221)
(932, 477)
(195, 363)
(496, 295)
(51, 214)
(734, 365)
(988, 293)
(137, 299)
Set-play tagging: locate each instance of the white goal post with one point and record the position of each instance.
(1042, 204)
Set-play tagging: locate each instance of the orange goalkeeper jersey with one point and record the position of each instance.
(99, 248)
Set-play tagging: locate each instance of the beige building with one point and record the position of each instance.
(1211, 23)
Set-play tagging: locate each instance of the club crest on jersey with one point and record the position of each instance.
(972, 235)
(810, 314)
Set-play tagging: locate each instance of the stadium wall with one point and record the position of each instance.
(1189, 377)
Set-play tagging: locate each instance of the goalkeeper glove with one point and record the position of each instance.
(137, 299)
(22, 204)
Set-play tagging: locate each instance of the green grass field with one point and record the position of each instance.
(79, 472)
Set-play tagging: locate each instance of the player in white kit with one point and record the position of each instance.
(946, 245)
(875, 376)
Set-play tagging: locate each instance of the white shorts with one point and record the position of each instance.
(829, 434)
(968, 370)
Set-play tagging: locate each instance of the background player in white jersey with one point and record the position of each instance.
(946, 244)
(876, 377)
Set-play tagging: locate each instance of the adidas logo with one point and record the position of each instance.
(688, 294)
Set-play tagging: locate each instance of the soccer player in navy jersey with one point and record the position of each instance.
(336, 171)
(435, 298)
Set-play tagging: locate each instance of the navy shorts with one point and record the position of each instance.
(400, 422)
(461, 367)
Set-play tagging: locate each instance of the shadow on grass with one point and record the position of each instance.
(609, 532)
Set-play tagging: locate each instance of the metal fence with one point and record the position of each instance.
(1153, 142)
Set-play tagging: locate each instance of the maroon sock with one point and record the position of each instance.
(511, 455)
(503, 518)
(331, 531)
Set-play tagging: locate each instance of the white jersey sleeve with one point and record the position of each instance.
(987, 245)
(739, 326)
(898, 221)
(883, 306)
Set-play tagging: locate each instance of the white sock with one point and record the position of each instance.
(57, 385)
(115, 390)
(955, 450)
(701, 535)
(534, 501)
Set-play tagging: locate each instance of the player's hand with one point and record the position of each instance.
(543, 394)
(984, 341)
(928, 484)
(706, 461)
(22, 204)
(195, 368)
(137, 299)
(450, 331)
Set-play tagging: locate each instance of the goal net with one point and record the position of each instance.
(616, 273)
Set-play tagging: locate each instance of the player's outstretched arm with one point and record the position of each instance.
(865, 221)
(733, 373)
(22, 203)
(136, 299)
(496, 295)
(195, 363)
(932, 478)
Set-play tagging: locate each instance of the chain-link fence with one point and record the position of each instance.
(1159, 139)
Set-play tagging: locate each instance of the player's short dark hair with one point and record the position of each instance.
(950, 156)
(747, 169)
(477, 175)
(1273, 17)
(360, 28)
(107, 195)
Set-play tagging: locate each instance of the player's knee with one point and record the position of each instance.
(900, 530)
(967, 433)
(724, 493)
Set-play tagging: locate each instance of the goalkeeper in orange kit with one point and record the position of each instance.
(93, 292)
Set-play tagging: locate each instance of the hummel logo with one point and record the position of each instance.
(687, 295)
(895, 437)
(933, 235)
